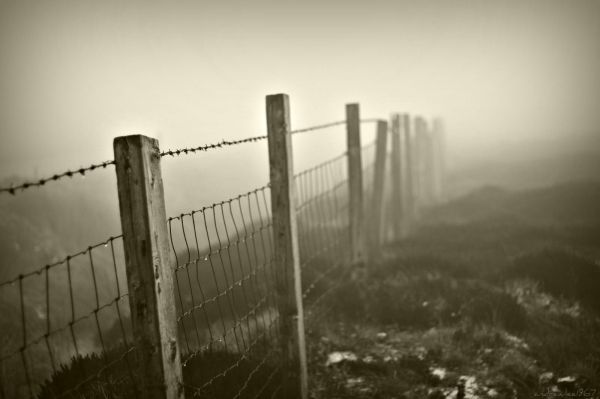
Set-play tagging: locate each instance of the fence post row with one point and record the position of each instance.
(376, 218)
(397, 181)
(149, 277)
(355, 182)
(285, 242)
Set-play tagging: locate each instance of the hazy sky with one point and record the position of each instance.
(74, 74)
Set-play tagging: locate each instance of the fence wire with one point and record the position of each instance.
(323, 229)
(14, 189)
(66, 327)
(71, 334)
(227, 314)
(322, 212)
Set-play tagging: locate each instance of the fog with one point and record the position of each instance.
(76, 74)
(514, 82)
(502, 243)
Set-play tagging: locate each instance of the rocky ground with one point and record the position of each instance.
(495, 295)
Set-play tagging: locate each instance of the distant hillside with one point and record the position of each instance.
(524, 173)
(568, 202)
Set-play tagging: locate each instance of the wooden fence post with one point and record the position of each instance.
(439, 158)
(149, 275)
(419, 155)
(376, 217)
(286, 256)
(409, 175)
(355, 182)
(396, 164)
(429, 150)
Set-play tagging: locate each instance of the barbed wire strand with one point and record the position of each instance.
(13, 189)
(69, 173)
(322, 213)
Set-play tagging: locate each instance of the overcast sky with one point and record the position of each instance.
(75, 74)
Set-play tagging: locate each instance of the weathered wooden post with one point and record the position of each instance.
(409, 169)
(429, 163)
(419, 155)
(397, 181)
(355, 182)
(149, 276)
(286, 252)
(376, 217)
(439, 158)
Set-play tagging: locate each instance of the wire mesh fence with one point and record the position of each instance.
(227, 314)
(322, 212)
(323, 229)
(73, 332)
(225, 279)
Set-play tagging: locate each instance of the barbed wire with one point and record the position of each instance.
(69, 173)
(227, 143)
(13, 189)
(206, 147)
(225, 278)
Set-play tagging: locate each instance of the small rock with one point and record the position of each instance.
(492, 393)
(566, 383)
(439, 372)
(425, 304)
(568, 379)
(369, 359)
(467, 387)
(352, 382)
(381, 336)
(338, 357)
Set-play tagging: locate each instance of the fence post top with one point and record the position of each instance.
(420, 123)
(271, 96)
(136, 139)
